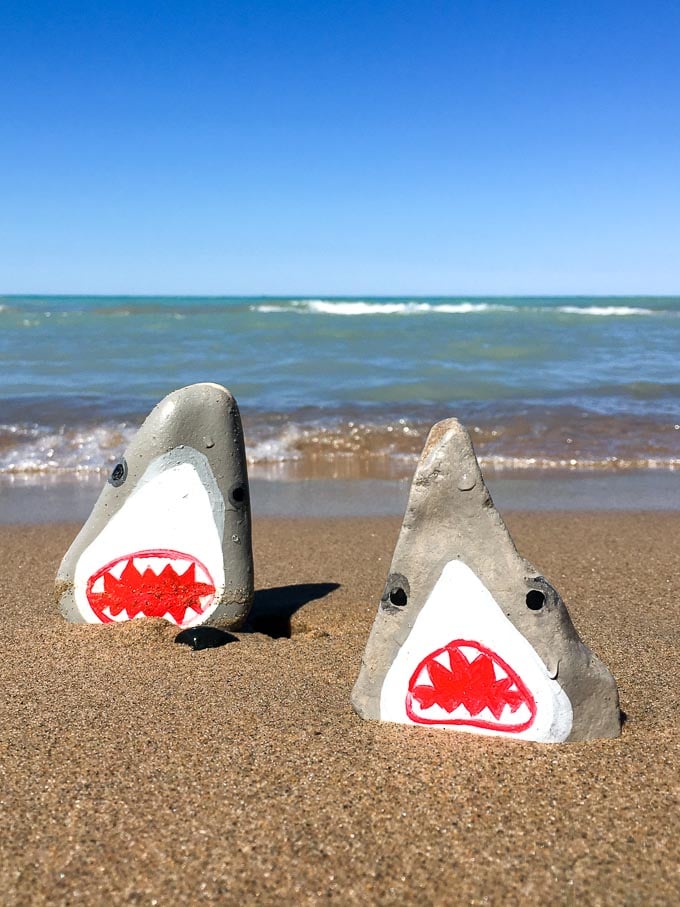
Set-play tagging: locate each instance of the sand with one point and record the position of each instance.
(137, 771)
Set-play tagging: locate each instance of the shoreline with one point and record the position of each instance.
(136, 769)
(72, 436)
(44, 499)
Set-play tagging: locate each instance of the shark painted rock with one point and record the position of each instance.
(468, 635)
(170, 533)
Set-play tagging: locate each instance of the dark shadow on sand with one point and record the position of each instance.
(273, 608)
(198, 638)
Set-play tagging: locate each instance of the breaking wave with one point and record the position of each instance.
(286, 446)
(603, 311)
(39, 311)
(415, 307)
(357, 307)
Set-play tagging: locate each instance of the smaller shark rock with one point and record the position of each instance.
(468, 635)
(170, 533)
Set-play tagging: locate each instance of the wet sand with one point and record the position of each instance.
(53, 499)
(135, 770)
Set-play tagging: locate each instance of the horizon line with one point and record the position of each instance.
(340, 296)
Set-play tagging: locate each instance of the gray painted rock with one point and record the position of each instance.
(468, 634)
(170, 533)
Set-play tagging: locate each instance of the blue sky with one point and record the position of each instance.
(347, 148)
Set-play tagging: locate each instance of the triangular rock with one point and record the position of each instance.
(170, 533)
(468, 634)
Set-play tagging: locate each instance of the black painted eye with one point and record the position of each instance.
(398, 597)
(535, 599)
(119, 473)
(396, 593)
(237, 495)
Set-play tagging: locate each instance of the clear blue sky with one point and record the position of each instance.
(479, 146)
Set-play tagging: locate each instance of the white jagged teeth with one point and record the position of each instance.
(523, 713)
(498, 670)
(437, 713)
(444, 659)
(519, 716)
(168, 616)
(118, 568)
(423, 679)
(142, 564)
(486, 715)
(469, 652)
(98, 586)
(116, 617)
(202, 576)
(190, 615)
(461, 713)
(158, 564)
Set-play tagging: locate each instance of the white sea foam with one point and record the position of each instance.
(267, 309)
(601, 310)
(464, 308)
(360, 307)
(413, 307)
(367, 308)
(277, 449)
(89, 449)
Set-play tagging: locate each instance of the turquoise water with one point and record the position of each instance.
(542, 382)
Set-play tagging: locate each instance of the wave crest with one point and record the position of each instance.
(359, 307)
(603, 311)
(286, 446)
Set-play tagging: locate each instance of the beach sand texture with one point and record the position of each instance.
(138, 771)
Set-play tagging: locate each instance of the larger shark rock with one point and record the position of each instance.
(469, 635)
(170, 533)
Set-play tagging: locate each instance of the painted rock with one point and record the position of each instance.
(170, 534)
(468, 635)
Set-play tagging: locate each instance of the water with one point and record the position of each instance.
(346, 388)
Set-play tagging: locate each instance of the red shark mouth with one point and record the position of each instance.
(465, 683)
(157, 583)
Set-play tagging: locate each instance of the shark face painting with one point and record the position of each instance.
(169, 536)
(160, 555)
(486, 677)
(468, 635)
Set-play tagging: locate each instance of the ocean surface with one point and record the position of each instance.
(347, 388)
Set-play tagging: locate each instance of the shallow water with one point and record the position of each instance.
(347, 388)
(46, 499)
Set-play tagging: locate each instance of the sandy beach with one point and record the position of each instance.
(271, 266)
(137, 770)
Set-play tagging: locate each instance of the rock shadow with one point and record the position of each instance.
(273, 608)
(198, 638)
